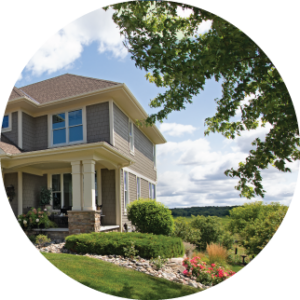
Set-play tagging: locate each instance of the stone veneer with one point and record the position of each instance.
(83, 221)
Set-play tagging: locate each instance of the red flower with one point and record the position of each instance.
(213, 265)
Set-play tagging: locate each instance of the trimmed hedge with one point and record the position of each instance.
(148, 245)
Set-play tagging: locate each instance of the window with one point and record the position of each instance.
(126, 196)
(62, 190)
(131, 138)
(67, 127)
(152, 191)
(138, 188)
(4, 122)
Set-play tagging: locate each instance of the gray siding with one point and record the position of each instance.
(13, 134)
(32, 185)
(35, 133)
(132, 187)
(108, 196)
(143, 153)
(144, 188)
(12, 179)
(97, 117)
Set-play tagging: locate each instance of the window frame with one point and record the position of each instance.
(151, 186)
(9, 128)
(67, 127)
(131, 137)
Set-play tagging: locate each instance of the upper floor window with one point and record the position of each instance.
(67, 127)
(131, 137)
(6, 123)
(126, 196)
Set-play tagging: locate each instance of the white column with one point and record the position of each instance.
(111, 122)
(76, 185)
(89, 185)
(49, 185)
(20, 129)
(118, 198)
(20, 193)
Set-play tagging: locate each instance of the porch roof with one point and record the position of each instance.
(103, 153)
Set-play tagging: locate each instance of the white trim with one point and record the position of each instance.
(84, 127)
(139, 175)
(138, 188)
(125, 210)
(9, 128)
(20, 129)
(111, 122)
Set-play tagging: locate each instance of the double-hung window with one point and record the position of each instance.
(67, 127)
(152, 191)
(131, 137)
(62, 190)
(126, 196)
(138, 188)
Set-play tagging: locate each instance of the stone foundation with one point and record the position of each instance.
(83, 221)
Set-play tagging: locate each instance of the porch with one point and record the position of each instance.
(82, 178)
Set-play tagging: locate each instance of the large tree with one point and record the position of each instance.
(181, 60)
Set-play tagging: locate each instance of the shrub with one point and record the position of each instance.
(158, 262)
(216, 253)
(189, 248)
(130, 251)
(184, 230)
(150, 216)
(41, 240)
(32, 238)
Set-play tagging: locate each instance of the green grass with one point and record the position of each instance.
(118, 281)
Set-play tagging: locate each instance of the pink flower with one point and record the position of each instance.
(185, 272)
(213, 265)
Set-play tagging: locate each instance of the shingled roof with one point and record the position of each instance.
(8, 146)
(60, 87)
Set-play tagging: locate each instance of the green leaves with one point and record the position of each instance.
(177, 58)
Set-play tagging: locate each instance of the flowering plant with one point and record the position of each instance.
(158, 262)
(206, 274)
(35, 218)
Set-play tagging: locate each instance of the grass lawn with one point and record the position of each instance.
(118, 281)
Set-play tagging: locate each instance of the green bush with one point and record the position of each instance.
(147, 245)
(184, 230)
(150, 216)
(210, 228)
(41, 240)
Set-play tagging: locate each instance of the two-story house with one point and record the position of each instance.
(77, 136)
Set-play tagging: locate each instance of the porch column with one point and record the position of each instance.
(118, 191)
(89, 185)
(20, 193)
(76, 185)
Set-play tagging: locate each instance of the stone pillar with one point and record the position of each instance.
(89, 185)
(83, 221)
(76, 185)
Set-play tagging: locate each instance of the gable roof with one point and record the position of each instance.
(8, 146)
(63, 86)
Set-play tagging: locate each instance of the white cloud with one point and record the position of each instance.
(62, 49)
(204, 27)
(174, 129)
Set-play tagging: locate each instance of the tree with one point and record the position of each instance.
(150, 216)
(181, 60)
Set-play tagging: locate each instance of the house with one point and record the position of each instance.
(77, 136)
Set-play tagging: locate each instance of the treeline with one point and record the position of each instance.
(219, 211)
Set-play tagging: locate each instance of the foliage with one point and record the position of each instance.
(184, 230)
(256, 223)
(45, 196)
(130, 251)
(35, 218)
(189, 248)
(41, 240)
(32, 238)
(216, 253)
(148, 245)
(150, 216)
(211, 231)
(218, 211)
(206, 275)
(158, 262)
(181, 61)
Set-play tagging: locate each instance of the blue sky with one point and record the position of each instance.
(190, 166)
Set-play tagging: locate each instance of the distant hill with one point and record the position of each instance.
(219, 211)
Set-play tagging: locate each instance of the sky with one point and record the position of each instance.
(190, 165)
